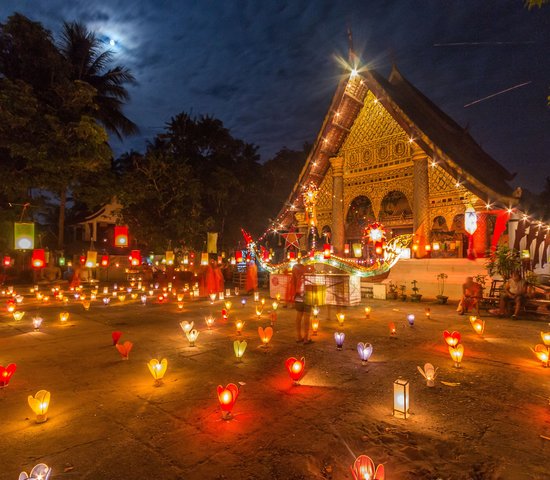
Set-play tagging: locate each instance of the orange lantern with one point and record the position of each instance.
(364, 469)
(451, 339)
(477, 324)
(121, 236)
(295, 368)
(227, 397)
(265, 335)
(541, 352)
(124, 349)
(392, 328)
(38, 258)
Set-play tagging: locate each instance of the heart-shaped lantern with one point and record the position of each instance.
(116, 336)
(265, 335)
(124, 349)
(364, 468)
(365, 351)
(452, 339)
(6, 374)
(295, 368)
(227, 397)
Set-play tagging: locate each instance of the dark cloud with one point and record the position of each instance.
(267, 68)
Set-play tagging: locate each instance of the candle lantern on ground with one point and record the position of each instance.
(227, 397)
(410, 319)
(265, 335)
(365, 352)
(186, 326)
(367, 312)
(364, 469)
(37, 323)
(393, 330)
(212, 298)
(239, 347)
(157, 369)
(6, 373)
(545, 336)
(542, 353)
(239, 325)
(209, 321)
(340, 317)
(39, 472)
(63, 317)
(124, 349)
(429, 373)
(339, 339)
(457, 354)
(477, 324)
(259, 310)
(401, 398)
(39, 404)
(314, 325)
(115, 336)
(451, 339)
(295, 368)
(18, 315)
(192, 336)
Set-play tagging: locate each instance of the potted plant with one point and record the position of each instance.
(442, 299)
(402, 295)
(503, 261)
(392, 291)
(415, 296)
(482, 280)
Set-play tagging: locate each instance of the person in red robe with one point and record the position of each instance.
(213, 278)
(251, 277)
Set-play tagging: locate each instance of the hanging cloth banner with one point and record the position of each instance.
(212, 242)
(500, 226)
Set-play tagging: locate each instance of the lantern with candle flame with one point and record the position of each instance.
(157, 369)
(192, 336)
(135, 258)
(451, 339)
(116, 336)
(239, 347)
(429, 373)
(212, 298)
(365, 352)
(39, 472)
(410, 319)
(10, 306)
(227, 397)
(106, 300)
(91, 259)
(209, 322)
(314, 325)
(340, 317)
(243, 302)
(186, 326)
(367, 312)
(121, 297)
(477, 324)
(256, 296)
(239, 325)
(428, 312)
(228, 305)
(401, 398)
(104, 261)
(364, 469)
(393, 330)
(6, 373)
(295, 368)
(38, 258)
(124, 349)
(24, 236)
(18, 315)
(121, 236)
(259, 310)
(39, 404)
(339, 339)
(545, 338)
(542, 353)
(63, 317)
(86, 304)
(37, 323)
(315, 310)
(265, 335)
(457, 354)
(326, 251)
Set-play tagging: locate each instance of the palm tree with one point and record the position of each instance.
(88, 62)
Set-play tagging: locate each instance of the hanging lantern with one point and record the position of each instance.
(204, 259)
(456, 354)
(339, 339)
(91, 259)
(239, 347)
(124, 349)
(227, 397)
(6, 261)
(265, 335)
(295, 368)
(170, 257)
(365, 352)
(239, 325)
(121, 236)
(346, 249)
(135, 258)
(24, 236)
(451, 339)
(429, 373)
(357, 250)
(192, 336)
(340, 317)
(477, 324)
(545, 338)
(6, 373)
(326, 251)
(470, 220)
(39, 472)
(157, 369)
(38, 259)
(401, 398)
(82, 259)
(364, 469)
(238, 256)
(61, 261)
(541, 352)
(291, 255)
(104, 260)
(40, 404)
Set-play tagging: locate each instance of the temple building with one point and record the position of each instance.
(386, 153)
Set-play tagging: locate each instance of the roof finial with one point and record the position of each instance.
(351, 52)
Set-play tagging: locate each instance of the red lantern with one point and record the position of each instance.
(82, 259)
(104, 260)
(135, 257)
(7, 261)
(38, 258)
(121, 236)
(364, 467)
(6, 373)
(227, 397)
(295, 368)
(451, 339)
(326, 250)
(291, 255)
(346, 249)
(239, 256)
(378, 248)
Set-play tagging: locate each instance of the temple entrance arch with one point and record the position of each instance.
(396, 213)
(360, 213)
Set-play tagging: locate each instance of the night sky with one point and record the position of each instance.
(268, 69)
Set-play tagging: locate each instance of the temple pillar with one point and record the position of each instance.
(421, 197)
(338, 232)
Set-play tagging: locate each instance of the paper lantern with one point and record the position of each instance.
(364, 469)
(238, 256)
(121, 298)
(18, 315)
(63, 317)
(243, 302)
(265, 335)
(104, 260)
(116, 336)
(91, 259)
(401, 398)
(435, 246)
(192, 336)
(228, 304)
(239, 325)
(256, 296)
(169, 257)
(340, 317)
(39, 472)
(470, 220)
(367, 312)
(209, 321)
(393, 330)
(124, 349)
(339, 339)
(291, 256)
(429, 373)
(86, 305)
(542, 353)
(212, 297)
(410, 319)
(121, 236)
(239, 347)
(221, 295)
(204, 259)
(545, 338)
(259, 310)
(315, 310)
(326, 251)
(456, 354)
(295, 368)
(39, 404)
(6, 261)
(227, 397)
(357, 250)
(10, 306)
(428, 312)
(106, 300)
(157, 369)
(135, 258)
(478, 325)
(186, 326)
(6, 373)
(365, 352)
(61, 261)
(346, 249)
(37, 322)
(451, 339)
(24, 236)
(38, 259)
(314, 325)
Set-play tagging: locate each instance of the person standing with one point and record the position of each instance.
(303, 311)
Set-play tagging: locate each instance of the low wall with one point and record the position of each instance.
(425, 271)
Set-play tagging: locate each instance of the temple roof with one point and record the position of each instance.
(432, 129)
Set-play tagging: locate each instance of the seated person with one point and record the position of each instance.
(515, 289)
(51, 273)
(471, 293)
